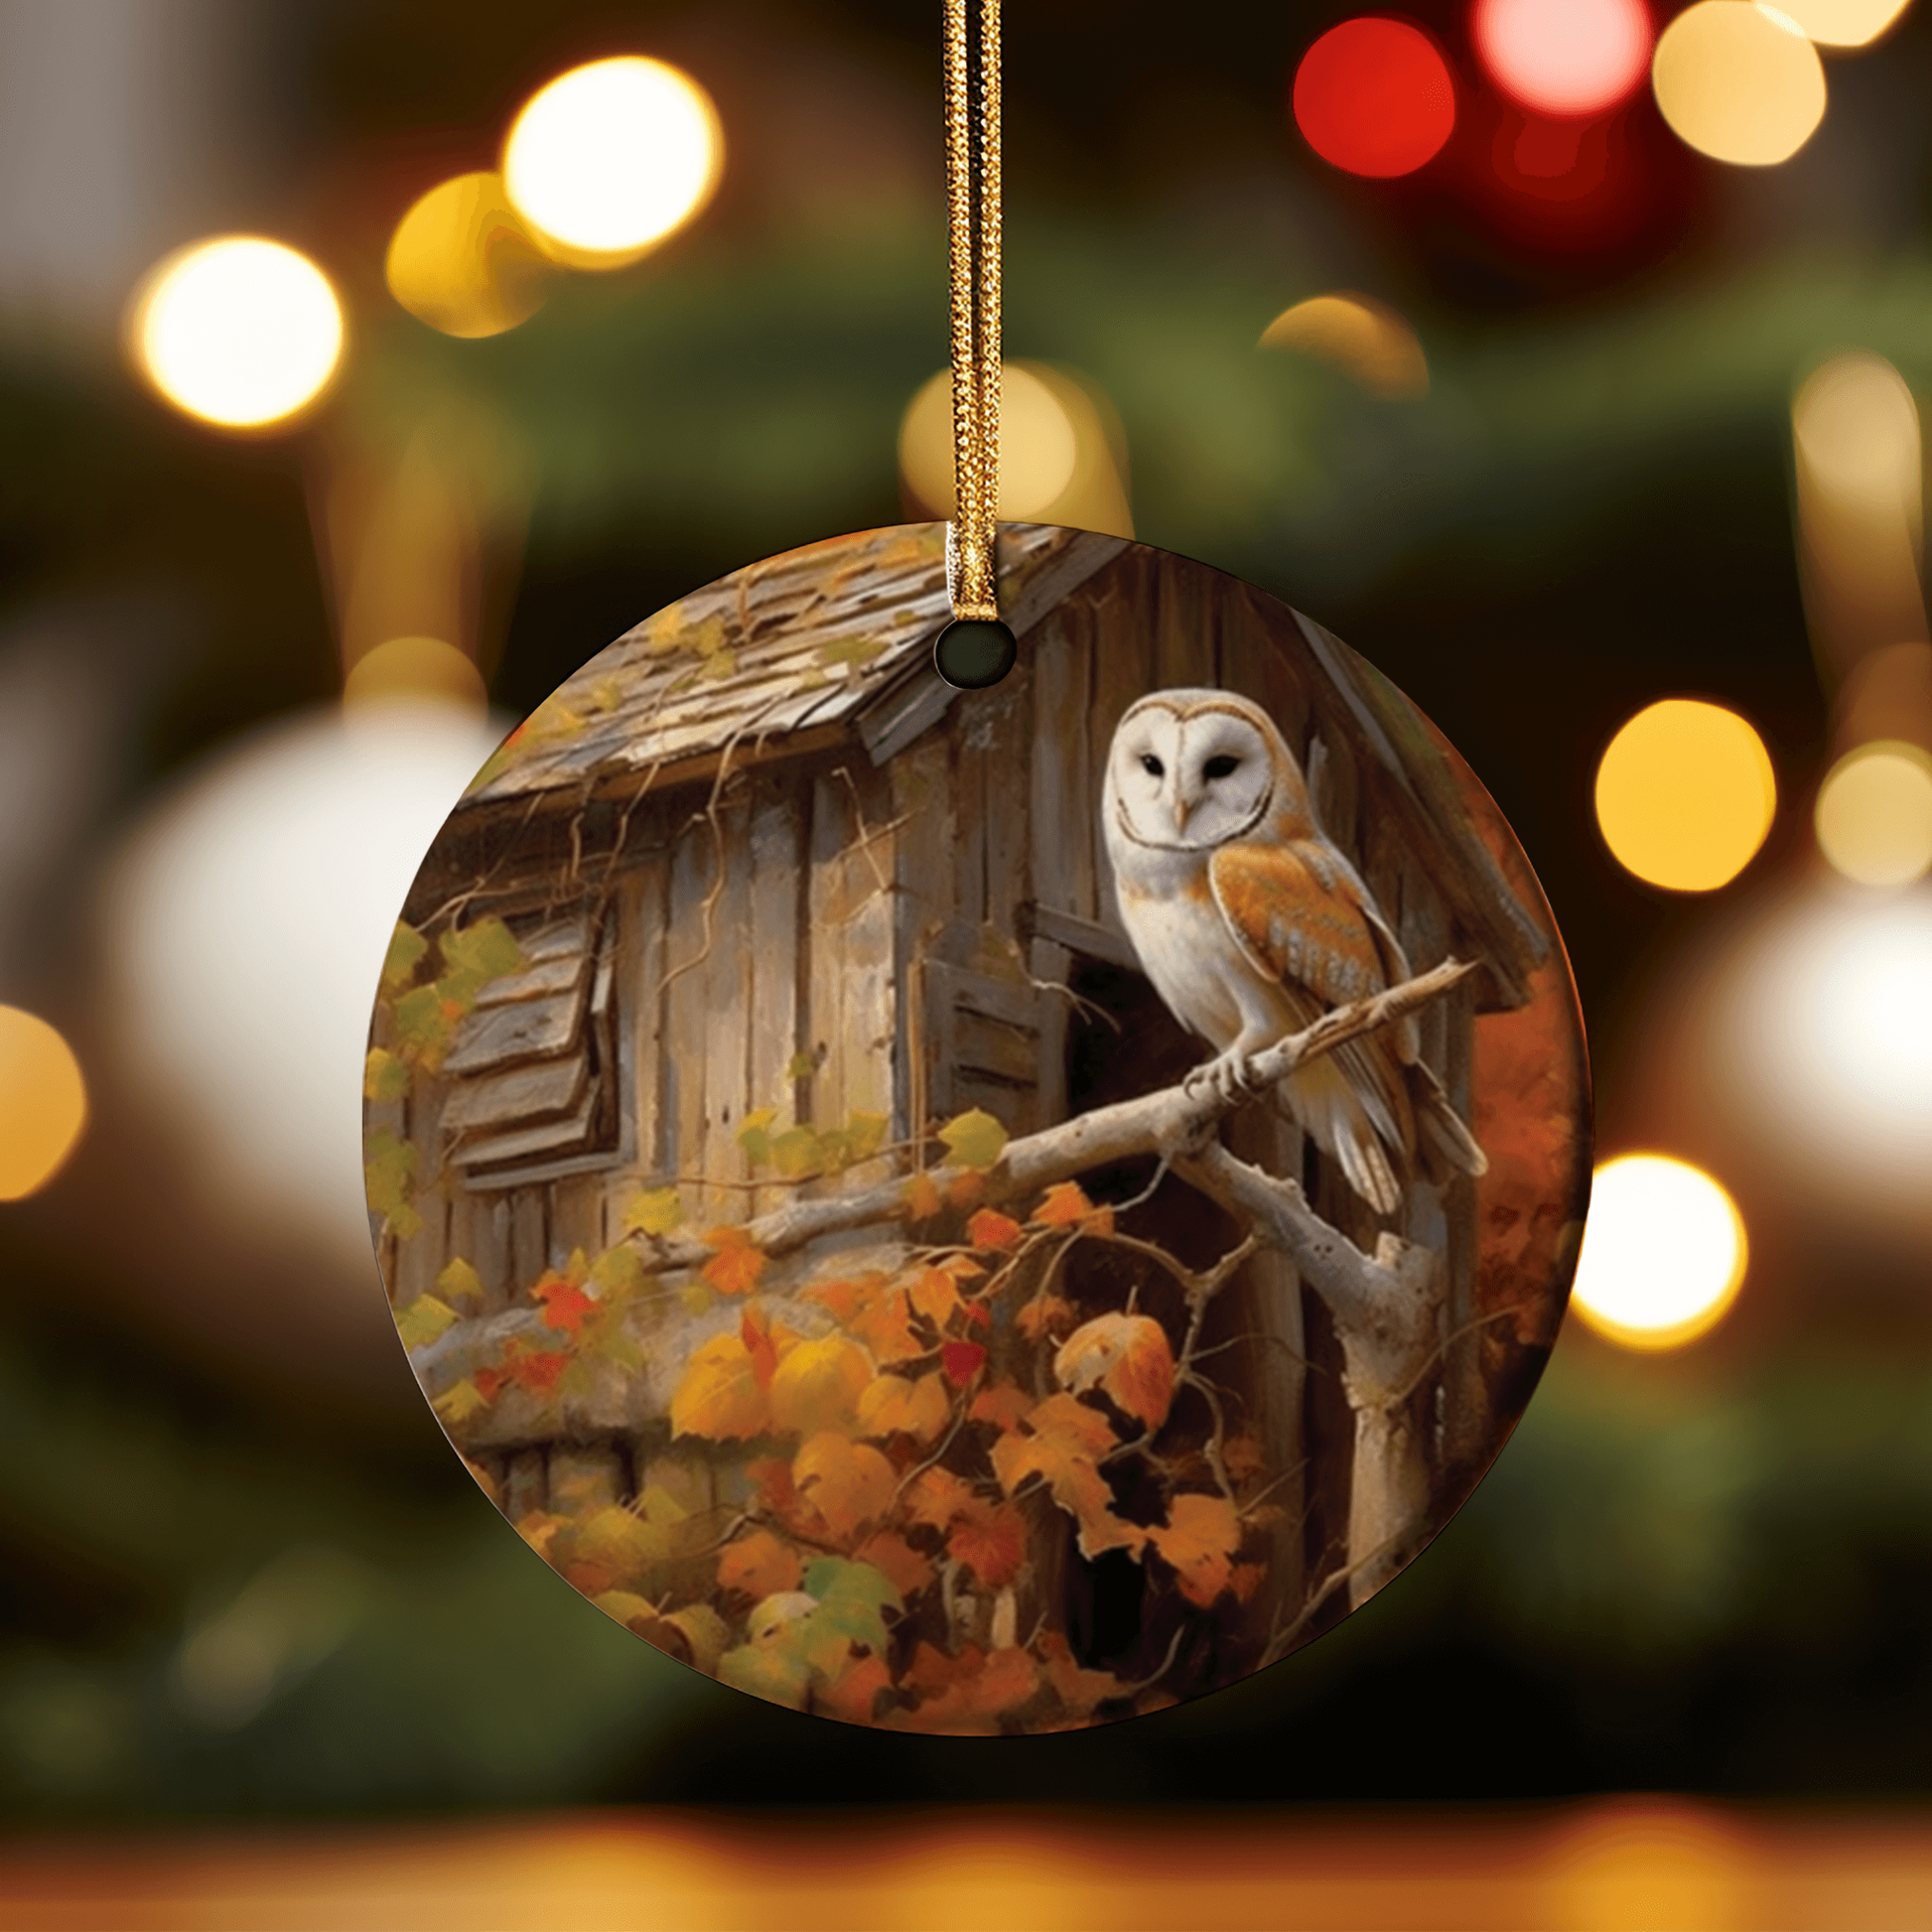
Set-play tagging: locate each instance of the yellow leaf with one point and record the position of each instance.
(817, 1385)
(459, 1401)
(755, 1136)
(617, 1274)
(936, 1294)
(922, 1196)
(423, 1320)
(974, 1140)
(849, 1483)
(459, 1282)
(384, 1078)
(656, 1212)
(719, 1395)
(406, 948)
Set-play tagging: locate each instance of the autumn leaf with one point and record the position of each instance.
(755, 1334)
(934, 1293)
(922, 1198)
(755, 1136)
(1245, 1579)
(1080, 1690)
(538, 1373)
(848, 1483)
(705, 1634)
(406, 949)
(626, 1606)
(384, 1076)
(459, 1282)
(961, 1361)
(896, 1405)
(1004, 1405)
(389, 1176)
(619, 1273)
(849, 650)
(1064, 1204)
(818, 1384)
(885, 1325)
(423, 1320)
(990, 1539)
(626, 1545)
(1244, 1458)
(770, 1674)
(759, 1565)
(936, 1496)
(968, 1693)
(797, 1153)
(974, 1140)
(853, 1697)
(425, 1024)
(1199, 1539)
(1128, 1357)
(1043, 1314)
(473, 956)
(802, 1066)
(965, 1191)
(720, 1396)
(989, 1229)
(458, 1403)
(539, 1529)
(909, 1570)
(1062, 1443)
(654, 1212)
(865, 1135)
(565, 1305)
(738, 1264)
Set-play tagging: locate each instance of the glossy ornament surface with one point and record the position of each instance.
(839, 1179)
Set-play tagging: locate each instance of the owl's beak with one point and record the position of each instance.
(1184, 807)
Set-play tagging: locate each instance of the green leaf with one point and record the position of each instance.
(459, 1282)
(849, 650)
(423, 1027)
(384, 1076)
(838, 1579)
(459, 1401)
(423, 1320)
(617, 1274)
(852, 1600)
(389, 1177)
(474, 955)
(406, 949)
(796, 1152)
(656, 1212)
(974, 1139)
(755, 1136)
(865, 1135)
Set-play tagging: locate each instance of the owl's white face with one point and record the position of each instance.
(1188, 771)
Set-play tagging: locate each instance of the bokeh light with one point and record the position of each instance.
(1856, 425)
(42, 1103)
(1685, 795)
(1564, 57)
(1738, 81)
(463, 261)
(610, 158)
(1843, 22)
(239, 330)
(1374, 96)
(1358, 335)
(413, 667)
(1664, 1252)
(1874, 815)
(1040, 446)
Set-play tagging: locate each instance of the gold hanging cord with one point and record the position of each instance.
(973, 235)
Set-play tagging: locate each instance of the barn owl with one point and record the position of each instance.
(1251, 923)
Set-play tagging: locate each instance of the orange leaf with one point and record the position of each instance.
(961, 1361)
(1043, 1314)
(1004, 1404)
(965, 1191)
(989, 1229)
(1080, 1690)
(935, 1294)
(896, 1405)
(842, 1299)
(1062, 1204)
(885, 1325)
(908, 1571)
(922, 1196)
(1243, 1580)
(990, 1539)
(772, 1477)
(759, 1565)
(720, 1395)
(1126, 1355)
(936, 1496)
(1244, 1458)
(538, 1373)
(854, 1696)
(978, 1315)
(969, 1693)
(565, 1305)
(1199, 1539)
(962, 1268)
(849, 1483)
(756, 1337)
(817, 1384)
(1067, 1437)
(738, 1264)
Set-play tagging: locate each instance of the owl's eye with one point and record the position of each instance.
(1220, 768)
(1150, 764)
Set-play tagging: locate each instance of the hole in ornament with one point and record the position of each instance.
(973, 653)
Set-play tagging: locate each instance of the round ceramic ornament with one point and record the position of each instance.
(977, 1211)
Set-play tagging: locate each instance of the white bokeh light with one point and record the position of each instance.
(1663, 1253)
(245, 927)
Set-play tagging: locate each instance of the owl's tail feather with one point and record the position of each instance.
(1333, 1113)
(1447, 1146)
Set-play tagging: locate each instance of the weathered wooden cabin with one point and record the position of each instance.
(759, 856)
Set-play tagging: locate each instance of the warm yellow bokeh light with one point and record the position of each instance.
(1874, 815)
(1843, 22)
(1685, 795)
(1039, 447)
(1663, 1255)
(239, 330)
(462, 261)
(42, 1103)
(610, 158)
(1738, 81)
(1360, 336)
(415, 667)
(1856, 424)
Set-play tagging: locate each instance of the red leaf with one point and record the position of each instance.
(756, 1338)
(909, 1569)
(737, 1266)
(990, 1539)
(565, 1305)
(989, 1229)
(961, 1361)
(538, 1373)
(772, 1476)
(977, 1314)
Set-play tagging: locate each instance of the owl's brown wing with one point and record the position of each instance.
(1301, 916)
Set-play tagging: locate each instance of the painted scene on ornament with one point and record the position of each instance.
(977, 1212)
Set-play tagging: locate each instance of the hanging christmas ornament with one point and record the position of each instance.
(977, 1131)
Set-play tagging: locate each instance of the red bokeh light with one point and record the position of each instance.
(1374, 96)
(1564, 57)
